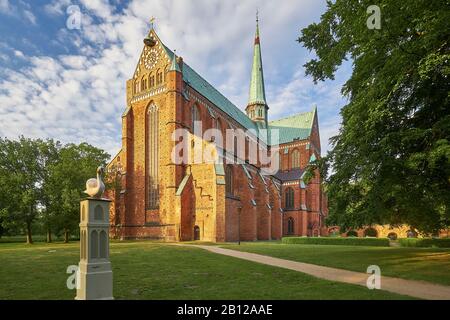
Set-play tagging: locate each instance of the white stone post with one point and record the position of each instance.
(95, 274)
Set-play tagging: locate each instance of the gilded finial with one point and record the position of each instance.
(152, 21)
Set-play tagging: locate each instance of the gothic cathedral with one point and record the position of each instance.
(235, 197)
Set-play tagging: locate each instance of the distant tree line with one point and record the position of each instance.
(41, 184)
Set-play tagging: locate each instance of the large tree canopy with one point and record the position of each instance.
(42, 181)
(390, 160)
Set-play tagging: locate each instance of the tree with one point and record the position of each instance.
(50, 151)
(390, 161)
(21, 176)
(66, 183)
(43, 181)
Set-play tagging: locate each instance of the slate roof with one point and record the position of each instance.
(295, 174)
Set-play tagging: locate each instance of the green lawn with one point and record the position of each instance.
(429, 264)
(151, 270)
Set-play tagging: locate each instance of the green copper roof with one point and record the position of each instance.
(297, 127)
(294, 127)
(257, 93)
(194, 80)
(174, 66)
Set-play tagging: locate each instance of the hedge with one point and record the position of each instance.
(375, 242)
(426, 242)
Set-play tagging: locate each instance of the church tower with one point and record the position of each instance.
(257, 106)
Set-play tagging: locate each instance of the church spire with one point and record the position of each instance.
(257, 105)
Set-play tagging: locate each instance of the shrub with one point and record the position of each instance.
(426, 242)
(376, 242)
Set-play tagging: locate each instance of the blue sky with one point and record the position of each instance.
(69, 84)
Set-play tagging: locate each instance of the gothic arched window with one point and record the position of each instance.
(166, 69)
(229, 180)
(289, 194)
(136, 86)
(158, 77)
(152, 157)
(219, 140)
(152, 80)
(295, 159)
(290, 225)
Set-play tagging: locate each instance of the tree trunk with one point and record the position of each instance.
(66, 236)
(49, 235)
(29, 237)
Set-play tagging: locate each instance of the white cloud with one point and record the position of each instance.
(19, 12)
(29, 16)
(80, 96)
(4, 6)
(19, 54)
(57, 7)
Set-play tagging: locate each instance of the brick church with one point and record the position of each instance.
(233, 197)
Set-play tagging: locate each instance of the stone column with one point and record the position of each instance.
(95, 274)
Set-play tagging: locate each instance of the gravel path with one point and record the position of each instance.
(412, 288)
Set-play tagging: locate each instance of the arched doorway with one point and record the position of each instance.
(196, 233)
